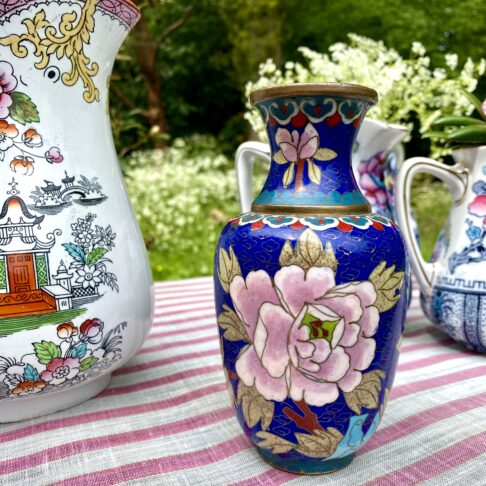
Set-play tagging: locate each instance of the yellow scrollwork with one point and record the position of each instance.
(67, 40)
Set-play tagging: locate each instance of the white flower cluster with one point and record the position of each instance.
(403, 85)
(182, 196)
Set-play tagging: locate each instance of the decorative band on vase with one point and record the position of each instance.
(338, 210)
(125, 11)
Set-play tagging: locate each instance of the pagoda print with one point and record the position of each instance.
(26, 287)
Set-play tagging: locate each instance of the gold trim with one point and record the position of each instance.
(308, 89)
(344, 210)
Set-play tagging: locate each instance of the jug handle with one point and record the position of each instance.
(456, 179)
(244, 158)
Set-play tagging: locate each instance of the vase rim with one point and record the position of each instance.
(312, 89)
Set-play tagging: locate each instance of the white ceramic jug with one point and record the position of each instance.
(453, 284)
(75, 285)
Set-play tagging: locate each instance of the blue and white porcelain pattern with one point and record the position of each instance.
(453, 284)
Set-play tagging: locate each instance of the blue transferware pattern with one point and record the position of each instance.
(310, 306)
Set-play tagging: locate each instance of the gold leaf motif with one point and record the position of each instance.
(65, 41)
(366, 394)
(325, 154)
(308, 253)
(289, 175)
(314, 172)
(229, 268)
(234, 328)
(322, 443)
(387, 284)
(255, 408)
(274, 442)
(280, 158)
(319, 444)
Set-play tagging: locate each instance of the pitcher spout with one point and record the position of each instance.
(377, 136)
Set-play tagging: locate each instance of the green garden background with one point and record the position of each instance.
(178, 100)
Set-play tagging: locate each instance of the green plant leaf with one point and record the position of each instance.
(474, 134)
(95, 255)
(30, 373)
(314, 172)
(476, 102)
(325, 154)
(289, 175)
(456, 121)
(75, 251)
(46, 351)
(87, 363)
(23, 110)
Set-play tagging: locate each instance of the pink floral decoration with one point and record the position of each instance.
(297, 147)
(310, 338)
(478, 206)
(60, 369)
(8, 82)
(54, 156)
(371, 179)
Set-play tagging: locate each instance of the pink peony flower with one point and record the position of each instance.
(371, 180)
(478, 206)
(310, 337)
(59, 370)
(91, 329)
(297, 147)
(54, 156)
(8, 82)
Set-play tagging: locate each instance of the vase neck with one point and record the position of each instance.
(311, 140)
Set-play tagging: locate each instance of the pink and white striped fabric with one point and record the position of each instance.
(166, 419)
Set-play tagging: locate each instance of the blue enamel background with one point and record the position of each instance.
(358, 253)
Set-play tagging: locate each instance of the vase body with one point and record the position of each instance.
(310, 289)
(75, 285)
(453, 283)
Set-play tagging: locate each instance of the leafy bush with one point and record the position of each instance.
(183, 195)
(405, 86)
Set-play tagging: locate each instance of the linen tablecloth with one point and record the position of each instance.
(166, 418)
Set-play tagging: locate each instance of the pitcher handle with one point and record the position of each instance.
(456, 179)
(244, 158)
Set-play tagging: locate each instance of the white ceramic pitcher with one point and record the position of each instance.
(75, 285)
(453, 284)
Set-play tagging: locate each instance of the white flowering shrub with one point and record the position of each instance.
(182, 195)
(403, 85)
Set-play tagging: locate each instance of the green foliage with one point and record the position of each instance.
(23, 109)
(183, 195)
(46, 351)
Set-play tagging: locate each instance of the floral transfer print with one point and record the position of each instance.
(476, 231)
(88, 252)
(310, 337)
(74, 355)
(65, 40)
(371, 179)
(19, 146)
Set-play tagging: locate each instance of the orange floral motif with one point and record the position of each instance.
(32, 138)
(29, 387)
(22, 165)
(67, 330)
(8, 131)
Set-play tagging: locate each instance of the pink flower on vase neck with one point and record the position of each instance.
(8, 82)
(297, 147)
(310, 338)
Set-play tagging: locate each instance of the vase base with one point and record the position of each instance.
(312, 467)
(14, 410)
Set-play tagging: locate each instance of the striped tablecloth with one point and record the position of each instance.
(166, 419)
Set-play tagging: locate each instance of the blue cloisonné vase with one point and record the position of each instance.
(310, 288)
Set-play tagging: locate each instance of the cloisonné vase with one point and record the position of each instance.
(453, 283)
(310, 288)
(75, 285)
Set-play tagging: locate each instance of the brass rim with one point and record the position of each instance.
(307, 89)
(350, 209)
